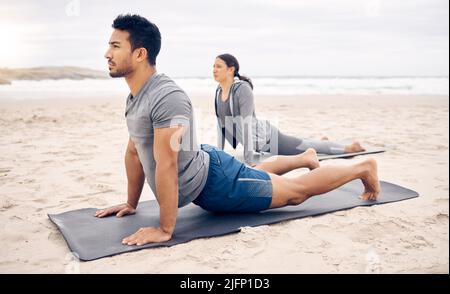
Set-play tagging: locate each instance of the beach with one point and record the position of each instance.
(58, 155)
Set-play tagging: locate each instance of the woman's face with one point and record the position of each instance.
(221, 71)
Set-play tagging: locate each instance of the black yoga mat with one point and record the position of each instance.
(349, 155)
(91, 238)
(258, 157)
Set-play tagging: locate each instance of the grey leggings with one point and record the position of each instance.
(290, 145)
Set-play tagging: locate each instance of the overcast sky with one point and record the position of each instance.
(269, 37)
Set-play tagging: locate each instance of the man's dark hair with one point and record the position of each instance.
(142, 32)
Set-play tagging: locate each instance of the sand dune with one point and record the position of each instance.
(40, 73)
(4, 82)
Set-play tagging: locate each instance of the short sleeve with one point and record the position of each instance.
(173, 109)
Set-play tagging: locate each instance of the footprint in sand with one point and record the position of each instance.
(193, 257)
(410, 180)
(41, 200)
(442, 218)
(15, 218)
(76, 196)
(103, 188)
(324, 233)
(52, 152)
(6, 204)
(415, 242)
(79, 153)
(28, 181)
(105, 174)
(441, 179)
(441, 147)
(251, 236)
(97, 202)
(320, 229)
(13, 238)
(5, 170)
(80, 179)
(442, 187)
(439, 218)
(56, 237)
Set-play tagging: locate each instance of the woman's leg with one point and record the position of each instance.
(290, 145)
(293, 191)
(329, 147)
(281, 164)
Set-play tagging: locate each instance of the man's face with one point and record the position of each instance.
(119, 54)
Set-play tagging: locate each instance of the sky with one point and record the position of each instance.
(269, 37)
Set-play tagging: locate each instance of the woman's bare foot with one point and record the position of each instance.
(370, 180)
(309, 157)
(354, 147)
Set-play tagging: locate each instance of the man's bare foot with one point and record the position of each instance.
(310, 158)
(354, 147)
(370, 180)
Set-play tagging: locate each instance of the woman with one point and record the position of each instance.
(237, 122)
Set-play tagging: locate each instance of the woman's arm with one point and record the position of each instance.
(220, 136)
(245, 100)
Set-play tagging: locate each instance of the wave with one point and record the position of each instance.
(26, 89)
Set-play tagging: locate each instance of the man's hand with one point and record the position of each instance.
(119, 210)
(147, 235)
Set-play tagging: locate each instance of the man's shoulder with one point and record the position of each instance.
(165, 88)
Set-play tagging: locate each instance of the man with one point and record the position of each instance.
(162, 148)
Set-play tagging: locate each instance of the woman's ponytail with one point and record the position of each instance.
(244, 78)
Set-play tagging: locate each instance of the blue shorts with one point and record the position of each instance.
(232, 186)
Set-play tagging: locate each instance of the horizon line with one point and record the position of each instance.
(324, 76)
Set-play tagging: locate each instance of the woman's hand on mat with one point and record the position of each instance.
(147, 235)
(119, 210)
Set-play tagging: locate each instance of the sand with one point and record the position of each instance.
(59, 155)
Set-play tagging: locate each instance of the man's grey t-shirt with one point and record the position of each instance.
(160, 104)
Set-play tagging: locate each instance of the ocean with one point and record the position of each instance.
(205, 87)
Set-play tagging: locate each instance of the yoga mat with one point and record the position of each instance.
(258, 157)
(349, 155)
(91, 238)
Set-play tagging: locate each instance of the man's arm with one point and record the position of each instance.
(135, 175)
(166, 145)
